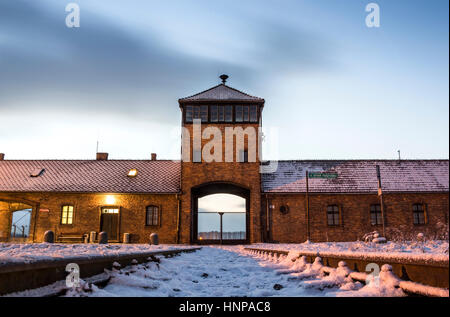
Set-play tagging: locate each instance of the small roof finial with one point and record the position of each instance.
(224, 78)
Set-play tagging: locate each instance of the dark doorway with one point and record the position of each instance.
(110, 222)
(220, 214)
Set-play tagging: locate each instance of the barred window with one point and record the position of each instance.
(375, 215)
(67, 215)
(152, 216)
(333, 215)
(418, 214)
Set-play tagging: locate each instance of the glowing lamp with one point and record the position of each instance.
(110, 200)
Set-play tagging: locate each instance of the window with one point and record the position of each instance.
(375, 215)
(152, 216)
(214, 114)
(229, 113)
(196, 112)
(132, 172)
(253, 113)
(333, 215)
(67, 215)
(239, 114)
(242, 113)
(419, 214)
(246, 114)
(221, 114)
(189, 114)
(204, 113)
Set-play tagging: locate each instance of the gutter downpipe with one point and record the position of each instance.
(178, 217)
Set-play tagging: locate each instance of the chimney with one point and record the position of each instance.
(2, 156)
(153, 156)
(102, 156)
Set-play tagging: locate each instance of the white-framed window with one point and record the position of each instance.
(67, 215)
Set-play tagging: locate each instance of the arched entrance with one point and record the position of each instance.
(15, 221)
(220, 214)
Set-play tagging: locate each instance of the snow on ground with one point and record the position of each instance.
(229, 272)
(32, 252)
(427, 250)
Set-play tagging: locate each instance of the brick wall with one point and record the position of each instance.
(87, 214)
(355, 210)
(242, 174)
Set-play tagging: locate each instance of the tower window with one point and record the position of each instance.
(375, 215)
(214, 113)
(246, 114)
(253, 114)
(196, 112)
(419, 214)
(204, 113)
(239, 114)
(67, 215)
(333, 215)
(221, 114)
(189, 114)
(228, 113)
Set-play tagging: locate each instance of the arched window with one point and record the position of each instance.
(333, 215)
(419, 215)
(152, 216)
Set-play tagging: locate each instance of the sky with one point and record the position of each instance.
(334, 88)
(234, 218)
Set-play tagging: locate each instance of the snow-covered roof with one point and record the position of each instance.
(221, 92)
(359, 176)
(90, 176)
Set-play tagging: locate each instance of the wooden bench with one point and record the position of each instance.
(70, 239)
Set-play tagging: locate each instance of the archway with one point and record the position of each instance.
(220, 214)
(15, 221)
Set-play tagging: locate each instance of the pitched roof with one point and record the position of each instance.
(221, 92)
(359, 176)
(90, 176)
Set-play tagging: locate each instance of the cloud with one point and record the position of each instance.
(102, 66)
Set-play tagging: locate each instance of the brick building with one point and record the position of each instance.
(139, 197)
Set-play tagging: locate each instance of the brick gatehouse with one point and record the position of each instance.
(139, 197)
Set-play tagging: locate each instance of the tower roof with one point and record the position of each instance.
(222, 92)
